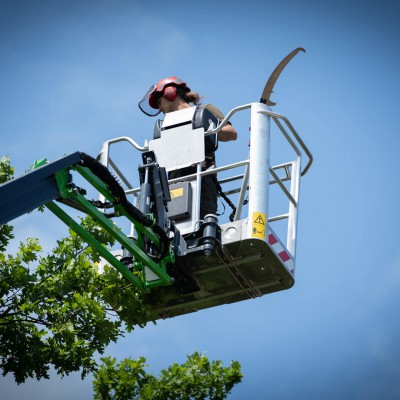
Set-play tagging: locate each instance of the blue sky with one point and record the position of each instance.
(71, 74)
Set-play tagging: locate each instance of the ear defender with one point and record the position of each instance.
(170, 93)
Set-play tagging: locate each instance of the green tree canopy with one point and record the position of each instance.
(197, 378)
(55, 309)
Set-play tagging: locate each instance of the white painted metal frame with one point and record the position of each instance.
(258, 175)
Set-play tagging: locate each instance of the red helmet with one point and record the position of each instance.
(161, 85)
(152, 95)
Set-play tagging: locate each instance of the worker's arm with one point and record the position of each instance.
(227, 133)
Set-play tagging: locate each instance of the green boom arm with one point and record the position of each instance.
(53, 181)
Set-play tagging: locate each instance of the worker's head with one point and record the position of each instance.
(168, 88)
(163, 95)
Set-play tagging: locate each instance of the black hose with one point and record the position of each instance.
(119, 195)
(225, 197)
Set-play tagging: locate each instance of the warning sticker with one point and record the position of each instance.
(258, 227)
(178, 192)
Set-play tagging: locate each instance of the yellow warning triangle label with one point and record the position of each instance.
(259, 219)
(258, 228)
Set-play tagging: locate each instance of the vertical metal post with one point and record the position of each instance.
(198, 194)
(293, 208)
(243, 191)
(259, 172)
(103, 159)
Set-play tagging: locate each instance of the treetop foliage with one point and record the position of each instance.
(197, 378)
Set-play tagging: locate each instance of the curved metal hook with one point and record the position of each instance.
(274, 77)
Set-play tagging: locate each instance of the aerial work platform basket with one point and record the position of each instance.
(182, 259)
(248, 258)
